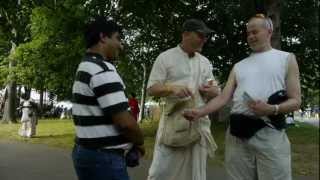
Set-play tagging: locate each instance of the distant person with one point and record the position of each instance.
(134, 106)
(28, 119)
(63, 113)
(105, 130)
(290, 119)
(257, 149)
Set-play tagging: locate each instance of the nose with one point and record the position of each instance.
(250, 37)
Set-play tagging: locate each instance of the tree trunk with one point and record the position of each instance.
(19, 94)
(41, 103)
(27, 92)
(143, 93)
(9, 113)
(273, 11)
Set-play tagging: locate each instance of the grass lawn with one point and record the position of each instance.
(60, 133)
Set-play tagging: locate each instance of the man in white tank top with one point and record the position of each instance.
(265, 155)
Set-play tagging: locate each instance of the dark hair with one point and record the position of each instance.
(99, 25)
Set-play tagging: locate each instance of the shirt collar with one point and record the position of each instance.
(94, 55)
(181, 51)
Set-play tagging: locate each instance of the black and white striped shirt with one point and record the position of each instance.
(98, 94)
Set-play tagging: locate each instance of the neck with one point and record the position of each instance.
(265, 48)
(187, 49)
(97, 50)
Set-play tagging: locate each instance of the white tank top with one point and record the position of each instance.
(260, 75)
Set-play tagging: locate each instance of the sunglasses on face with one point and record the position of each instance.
(202, 35)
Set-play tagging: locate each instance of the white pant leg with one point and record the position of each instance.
(29, 128)
(239, 159)
(199, 161)
(171, 164)
(273, 154)
(25, 129)
(22, 129)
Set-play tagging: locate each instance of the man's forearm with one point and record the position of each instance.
(134, 135)
(214, 104)
(128, 127)
(290, 105)
(160, 90)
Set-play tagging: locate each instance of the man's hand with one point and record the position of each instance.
(209, 91)
(192, 114)
(261, 108)
(180, 91)
(141, 149)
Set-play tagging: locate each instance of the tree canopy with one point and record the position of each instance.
(51, 44)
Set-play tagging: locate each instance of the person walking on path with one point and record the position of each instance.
(183, 78)
(256, 148)
(28, 119)
(105, 130)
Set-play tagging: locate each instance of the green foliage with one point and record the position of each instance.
(300, 35)
(50, 41)
(54, 51)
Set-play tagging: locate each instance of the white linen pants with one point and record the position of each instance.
(265, 156)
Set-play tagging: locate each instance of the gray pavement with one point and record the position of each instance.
(23, 161)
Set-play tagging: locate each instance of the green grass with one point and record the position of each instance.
(305, 149)
(52, 132)
(60, 133)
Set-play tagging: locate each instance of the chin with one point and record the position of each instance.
(255, 48)
(198, 50)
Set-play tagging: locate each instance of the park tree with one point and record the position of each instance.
(14, 18)
(49, 45)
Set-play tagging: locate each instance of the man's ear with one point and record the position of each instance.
(102, 37)
(270, 32)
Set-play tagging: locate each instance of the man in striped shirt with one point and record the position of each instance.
(105, 129)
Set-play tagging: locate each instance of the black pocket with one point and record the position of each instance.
(245, 127)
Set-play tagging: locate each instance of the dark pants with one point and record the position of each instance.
(99, 165)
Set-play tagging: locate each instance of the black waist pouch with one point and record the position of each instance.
(244, 127)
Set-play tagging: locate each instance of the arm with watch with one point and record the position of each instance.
(293, 91)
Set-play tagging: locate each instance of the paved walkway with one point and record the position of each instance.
(22, 161)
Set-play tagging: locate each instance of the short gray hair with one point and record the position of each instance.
(267, 21)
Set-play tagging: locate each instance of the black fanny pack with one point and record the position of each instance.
(244, 127)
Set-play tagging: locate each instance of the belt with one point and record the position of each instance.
(113, 151)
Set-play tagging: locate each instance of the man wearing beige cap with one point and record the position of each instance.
(183, 78)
